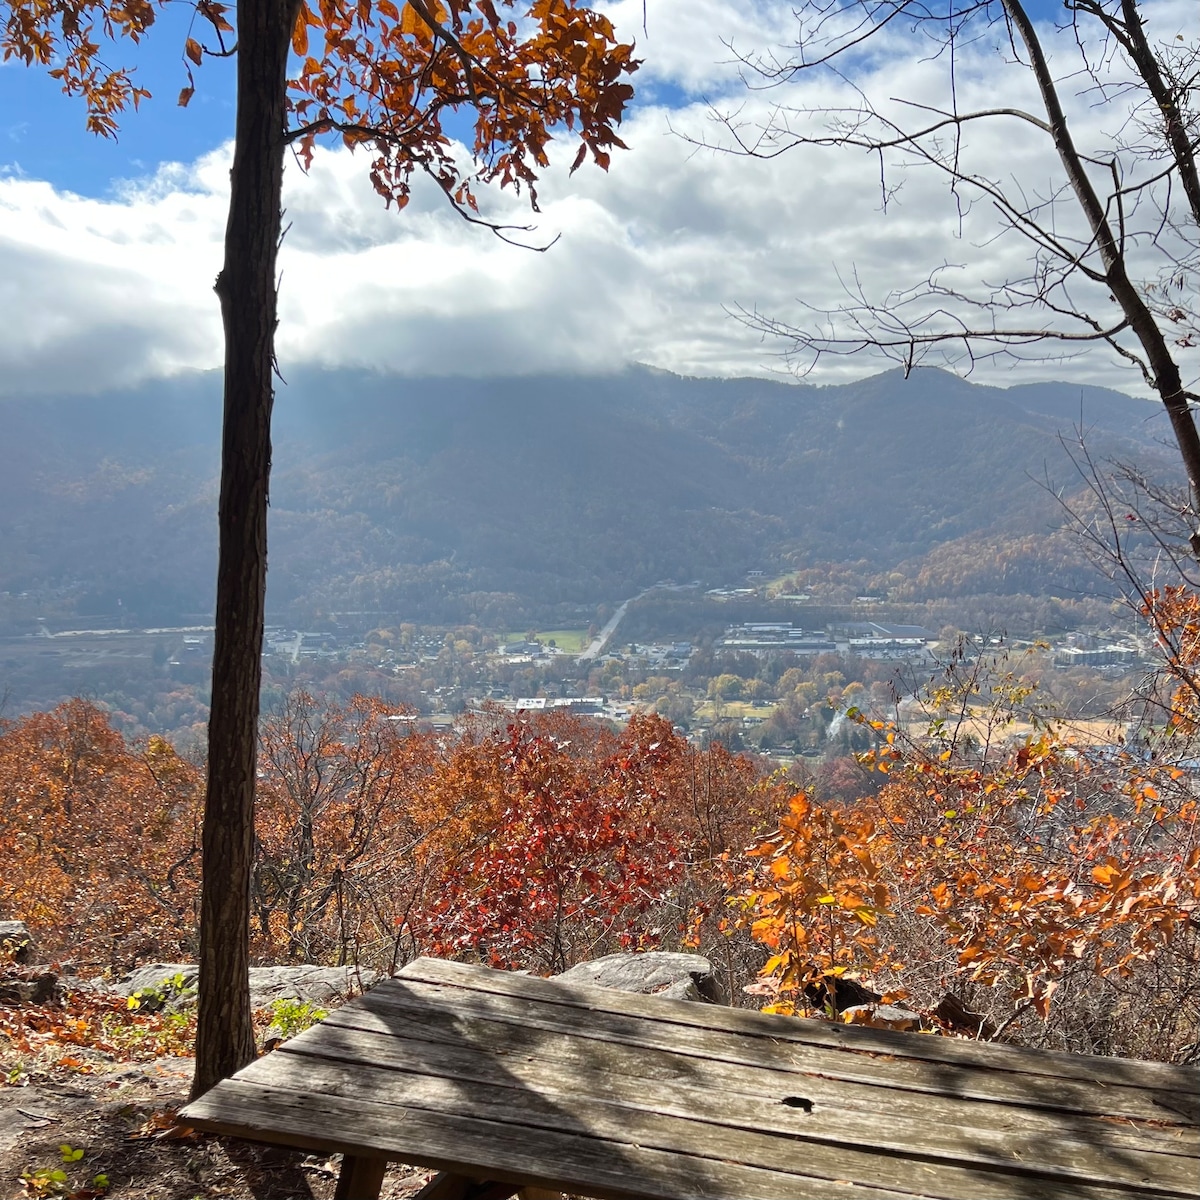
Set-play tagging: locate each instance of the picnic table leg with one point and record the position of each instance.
(360, 1178)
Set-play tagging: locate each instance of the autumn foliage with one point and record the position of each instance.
(68, 39)
(528, 841)
(815, 893)
(609, 841)
(1050, 885)
(518, 841)
(1055, 885)
(99, 840)
(389, 76)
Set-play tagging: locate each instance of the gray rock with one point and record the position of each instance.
(321, 987)
(882, 1016)
(653, 973)
(16, 940)
(174, 982)
(27, 1111)
(29, 985)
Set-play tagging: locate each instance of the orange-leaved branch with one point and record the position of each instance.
(1030, 872)
(814, 895)
(67, 37)
(400, 78)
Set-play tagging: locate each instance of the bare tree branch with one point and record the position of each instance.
(1093, 233)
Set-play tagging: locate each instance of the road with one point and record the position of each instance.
(597, 644)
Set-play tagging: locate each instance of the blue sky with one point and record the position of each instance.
(108, 250)
(42, 132)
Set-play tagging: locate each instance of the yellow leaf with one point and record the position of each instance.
(411, 21)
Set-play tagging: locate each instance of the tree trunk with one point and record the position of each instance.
(246, 288)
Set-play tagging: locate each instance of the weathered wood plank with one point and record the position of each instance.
(538, 1085)
(474, 1042)
(565, 1161)
(976, 1133)
(885, 1070)
(528, 1113)
(1092, 1068)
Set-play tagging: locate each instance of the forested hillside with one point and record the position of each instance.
(457, 499)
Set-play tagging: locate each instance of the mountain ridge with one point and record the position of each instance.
(408, 494)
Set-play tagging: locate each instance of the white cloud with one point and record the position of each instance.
(101, 293)
(696, 45)
(650, 259)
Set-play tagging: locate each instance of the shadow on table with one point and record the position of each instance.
(529, 1082)
(496, 1087)
(1075, 1127)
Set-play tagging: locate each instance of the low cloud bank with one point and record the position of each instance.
(650, 262)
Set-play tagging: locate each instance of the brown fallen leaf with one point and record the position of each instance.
(163, 1126)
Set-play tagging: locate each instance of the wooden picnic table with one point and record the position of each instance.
(503, 1081)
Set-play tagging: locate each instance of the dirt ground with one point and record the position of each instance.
(119, 1115)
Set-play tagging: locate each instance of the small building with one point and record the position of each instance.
(765, 636)
(864, 630)
(1102, 656)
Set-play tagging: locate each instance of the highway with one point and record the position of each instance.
(597, 644)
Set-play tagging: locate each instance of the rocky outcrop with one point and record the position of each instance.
(16, 941)
(840, 993)
(173, 985)
(29, 985)
(653, 973)
(319, 986)
(883, 1016)
(952, 1010)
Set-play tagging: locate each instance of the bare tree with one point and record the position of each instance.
(1111, 240)
(1132, 529)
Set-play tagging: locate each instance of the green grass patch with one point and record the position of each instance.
(572, 641)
